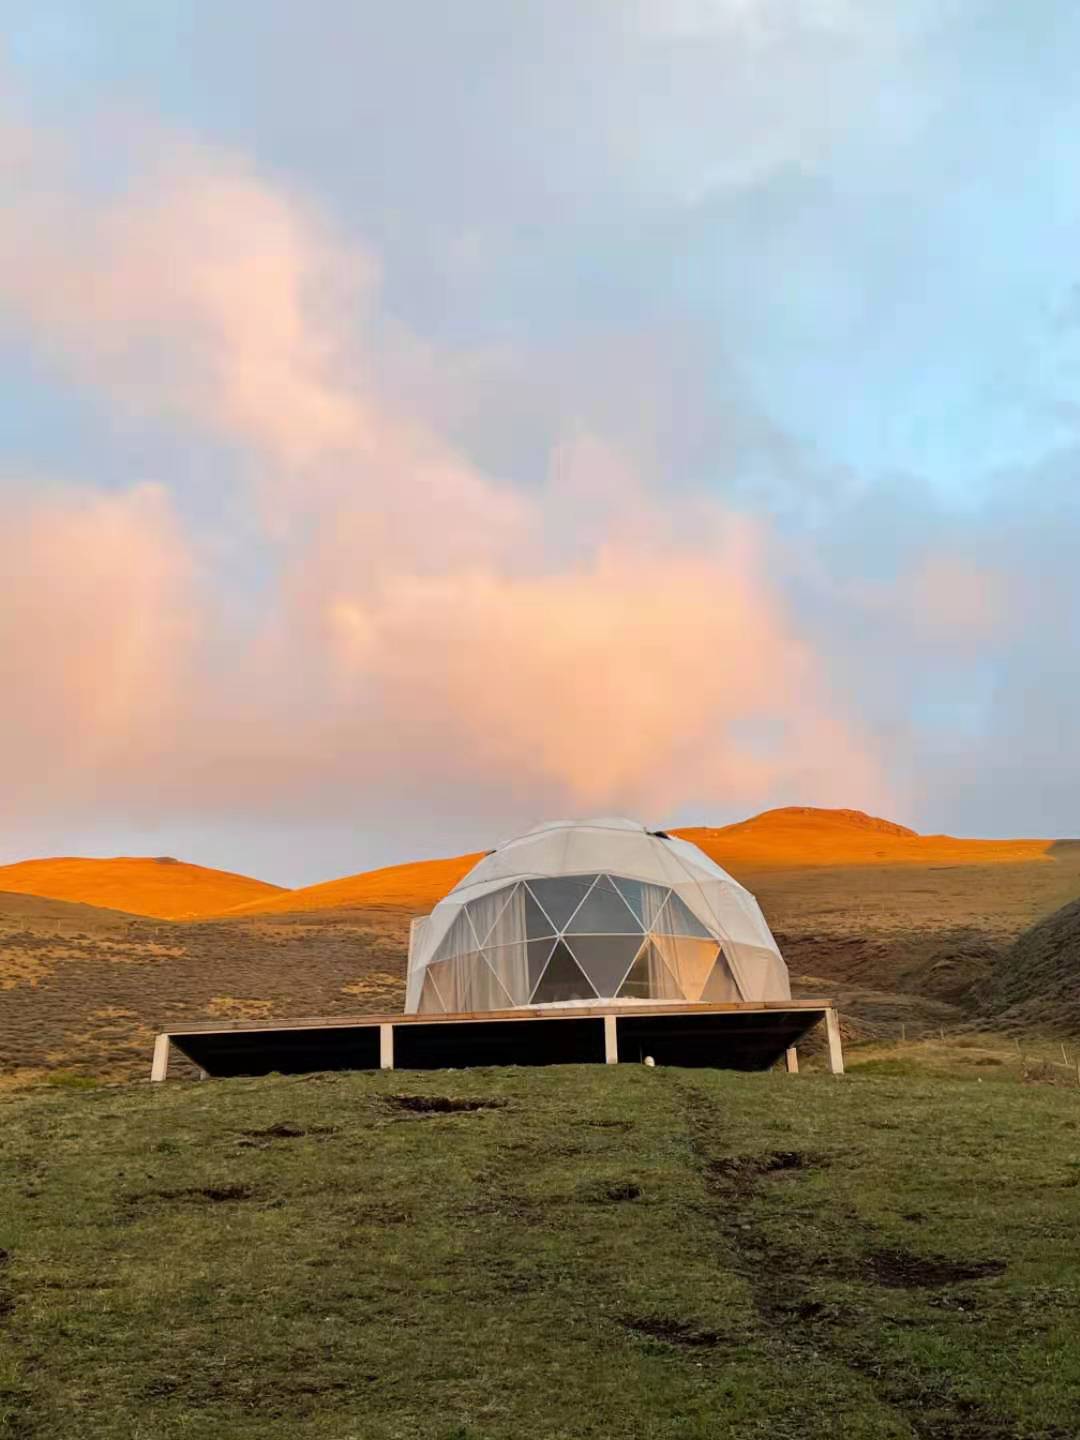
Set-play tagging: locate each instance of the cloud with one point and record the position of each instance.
(536, 537)
(647, 676)
(589, 642)
(201, 294)
(97, 629)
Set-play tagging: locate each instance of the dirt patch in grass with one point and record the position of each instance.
(195, 1194)
(385, 1215)
(670, 1331)
(741, 1172)
(288, 1130)
(615, 1192)
(7, 1300)
(525, 1212)
(441, 1104)
(901, 1269)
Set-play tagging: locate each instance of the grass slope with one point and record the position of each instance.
(85, 990)
(1039, 977)
(626, 1254)
(164, 888)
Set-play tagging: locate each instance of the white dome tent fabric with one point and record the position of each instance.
(576, 912)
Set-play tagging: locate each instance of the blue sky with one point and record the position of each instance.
(444, 418)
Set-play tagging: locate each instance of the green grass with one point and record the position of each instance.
(597, 1253)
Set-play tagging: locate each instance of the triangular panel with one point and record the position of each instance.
(481, 986)
(677, 918)
(690, 962)
(537, 922)
(631, 891)
(430, 1000)
(562, 980)
(649, 978)
(460, 939)
(604, 912)
(446, 978)
(605, 959)
(560, 897)
(510, 964)
(538, 952)
(484, 928)
(720, 986)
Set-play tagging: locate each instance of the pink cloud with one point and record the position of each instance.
(590, 643)
(96, 635)
(952, 597)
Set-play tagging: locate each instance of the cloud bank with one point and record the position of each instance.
(424, 622)
(336, 556)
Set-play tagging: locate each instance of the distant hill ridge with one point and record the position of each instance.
(793, 837)
(854, 819)
(803, 836)
(164, 888)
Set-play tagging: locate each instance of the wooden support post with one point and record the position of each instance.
(159, 1066)
(611, 1040)
(836, 1050)
(386, 1047)
(791, 1057)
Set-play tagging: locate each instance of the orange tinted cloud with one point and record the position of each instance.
(649, 678)
(952, 596)
(96, 634)
(589, 643)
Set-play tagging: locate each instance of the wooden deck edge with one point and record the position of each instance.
(589, 1012)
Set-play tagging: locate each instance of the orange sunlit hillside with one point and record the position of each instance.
(412, 886)
(801, 836)
(164, 888)
(795, 838)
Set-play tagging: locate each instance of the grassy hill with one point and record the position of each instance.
(165, 888)
(86, 990)
(1039, 976)
(573, 1252)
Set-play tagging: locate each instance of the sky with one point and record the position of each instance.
(421, 421)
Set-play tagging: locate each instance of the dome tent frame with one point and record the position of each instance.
(574, 913)
(615, 862)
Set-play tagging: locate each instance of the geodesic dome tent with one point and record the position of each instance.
(576, 912)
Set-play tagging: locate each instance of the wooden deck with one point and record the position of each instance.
(730, 1036)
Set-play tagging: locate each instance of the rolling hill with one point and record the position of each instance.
(804, 836)
(794, 838)
(164, 888)
(412, 887)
